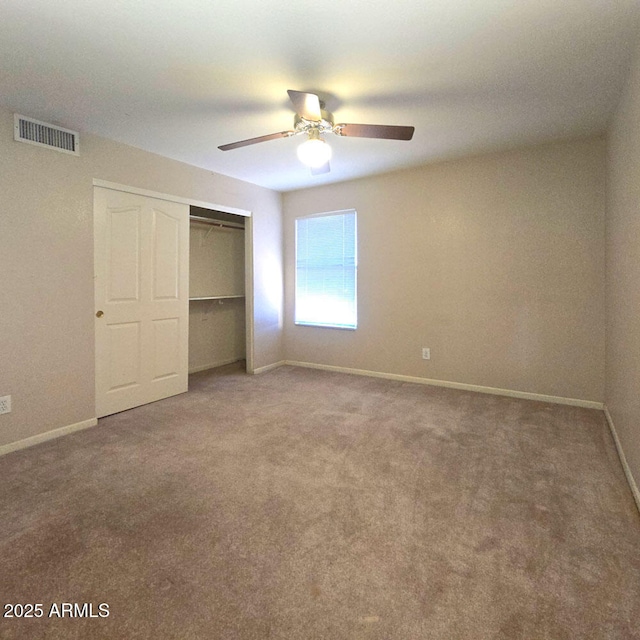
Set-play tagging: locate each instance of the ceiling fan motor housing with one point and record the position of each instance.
(324, 125)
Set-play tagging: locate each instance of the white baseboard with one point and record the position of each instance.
(213, 365)
(48, 435)
(623, 459)
(269, 367)
(575, 402)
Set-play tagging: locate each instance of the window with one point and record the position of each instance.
(326, 268)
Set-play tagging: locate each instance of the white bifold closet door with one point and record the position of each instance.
(141, 299)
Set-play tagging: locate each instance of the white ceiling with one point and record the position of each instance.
(181, 78)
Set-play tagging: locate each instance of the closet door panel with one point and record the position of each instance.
(142, 299)
(166, 348)
(123, 254)
(166, 256)
(123, 352)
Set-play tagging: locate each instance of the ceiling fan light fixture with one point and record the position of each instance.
(314, 152)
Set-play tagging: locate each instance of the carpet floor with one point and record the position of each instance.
(304, 505)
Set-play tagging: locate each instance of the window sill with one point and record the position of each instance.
(325, 326)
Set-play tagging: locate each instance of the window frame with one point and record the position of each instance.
(325, 214)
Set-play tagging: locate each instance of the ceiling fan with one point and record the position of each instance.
(313, 119)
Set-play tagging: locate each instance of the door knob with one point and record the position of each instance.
(99, 314)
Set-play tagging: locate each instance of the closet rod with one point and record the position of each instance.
(216, 223)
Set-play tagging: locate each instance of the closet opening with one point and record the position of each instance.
(218, 305)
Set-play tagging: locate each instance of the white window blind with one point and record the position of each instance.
(326, 270)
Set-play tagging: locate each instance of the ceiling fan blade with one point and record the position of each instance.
(388, 132)
(307, 105)
(325, 168)
(245, 143)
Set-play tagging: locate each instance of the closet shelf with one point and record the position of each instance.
(216, 297)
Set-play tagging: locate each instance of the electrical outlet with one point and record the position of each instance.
(5, 404)
(426, 353)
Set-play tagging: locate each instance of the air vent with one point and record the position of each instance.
(46, 135)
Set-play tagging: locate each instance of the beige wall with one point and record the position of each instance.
(495, 262)
(623, 272)
(46, 262)
(216, 333)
